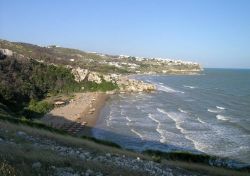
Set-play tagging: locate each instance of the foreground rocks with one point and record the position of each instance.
(90, 158)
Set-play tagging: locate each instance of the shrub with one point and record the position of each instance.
(39, 108)
(103, 86)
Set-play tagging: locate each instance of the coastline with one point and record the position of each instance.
(79, 115)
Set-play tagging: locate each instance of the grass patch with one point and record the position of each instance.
(39, 125)
(27, 122)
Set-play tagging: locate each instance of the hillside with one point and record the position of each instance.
(102, 63)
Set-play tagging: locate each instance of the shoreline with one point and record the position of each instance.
(80, 115)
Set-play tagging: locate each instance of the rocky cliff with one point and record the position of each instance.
(124, 83)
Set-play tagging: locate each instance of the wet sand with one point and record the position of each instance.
(80, 115)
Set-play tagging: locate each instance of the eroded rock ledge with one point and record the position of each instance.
(124, 83)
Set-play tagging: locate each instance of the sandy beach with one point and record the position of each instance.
(79, 115)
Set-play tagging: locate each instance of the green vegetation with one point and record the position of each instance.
(94, 61)
(31, 123)
(25, 82)
(103, 86)
(159, 156)
(38, 108)
(25, 122)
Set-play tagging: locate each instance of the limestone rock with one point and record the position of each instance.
(131, 85)
(80, 74)
(4, 53)
(95, 77)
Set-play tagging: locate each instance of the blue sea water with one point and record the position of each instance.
(207, 113)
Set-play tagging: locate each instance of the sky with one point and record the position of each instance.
(214, 33)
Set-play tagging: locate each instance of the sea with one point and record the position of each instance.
(204, 113)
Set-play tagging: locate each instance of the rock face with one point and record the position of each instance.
(80, 74)
(124, 83)
(5, 52)
(95, 77)
(131, 85)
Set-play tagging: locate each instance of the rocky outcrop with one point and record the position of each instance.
(131, 85)
(89, 157)
(95, 77)
(5, 52)
(124, 83)
(79, 73)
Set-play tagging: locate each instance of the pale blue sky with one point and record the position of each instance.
(215, 33)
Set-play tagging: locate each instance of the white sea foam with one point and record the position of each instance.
(190, 87)
(158, 129)
(219, 107)
(152, 118)
(201, 121)
(128, 119)
(221, 117)
(217, 110)
(122, 112)
(213, 110)
(137, 133)
(167, 89)
(161, 132)
(161, 83)
(108, 123)
(180, 118)
(161, 111)
(110, 117)
(181, 110)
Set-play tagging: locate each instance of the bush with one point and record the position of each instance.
(38, 108)
(103, 86)
(23, 81)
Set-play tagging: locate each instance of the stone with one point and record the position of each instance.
(79, 74)
(21, 133)
(89, 171)
(36, 165)
(95, 77)
(99, 174)
(5, 52)
(108, 155)
(82, 156)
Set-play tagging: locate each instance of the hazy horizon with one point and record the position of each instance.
(212, 33)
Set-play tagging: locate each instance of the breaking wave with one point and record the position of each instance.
(190, 87)
(221, 117)
(219, 107)
(137, 133)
